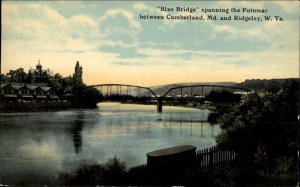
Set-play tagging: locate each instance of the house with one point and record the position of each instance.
(8, 93)
(49, 93)
(52, 95)
(24, 93)
(27, 92)
(32, 88)
(40, 94)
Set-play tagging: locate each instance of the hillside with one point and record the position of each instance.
(161, 89)
(253, 84)
(269, 84)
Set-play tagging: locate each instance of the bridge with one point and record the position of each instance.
(175, 93)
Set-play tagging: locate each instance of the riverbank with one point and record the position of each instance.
(34, 106)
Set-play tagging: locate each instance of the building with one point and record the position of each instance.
(39, 73)
(14, 92)
(8, 92)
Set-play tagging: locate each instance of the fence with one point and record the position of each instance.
(215, 157)
(205, 162)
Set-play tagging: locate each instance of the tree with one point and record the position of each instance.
(263, 129)
(77, 76)
(67, 84)
(223, 97)
(56, 83)
(267, 121)
(90, 97)
(29, 78)
(3, 78)
(84, 97)
(17, 75)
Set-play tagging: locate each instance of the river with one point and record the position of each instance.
(35, 147)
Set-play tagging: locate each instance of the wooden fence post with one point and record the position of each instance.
(211, 160)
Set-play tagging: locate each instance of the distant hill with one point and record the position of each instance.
(269, 84)
(161, 89)
(253, 84)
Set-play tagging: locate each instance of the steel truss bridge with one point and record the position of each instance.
(175, 93)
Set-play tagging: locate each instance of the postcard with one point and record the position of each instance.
(149, 93)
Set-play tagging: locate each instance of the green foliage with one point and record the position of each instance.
(83, 96)
(111, 173)
(262, 129)
(17, 75)
(3, 78)
(29, 78)
(77, 76)
(272, 85)
(56, 83)
(67, 84)
(86, 97)
(283, 166)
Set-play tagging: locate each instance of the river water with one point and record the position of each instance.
(35, 147)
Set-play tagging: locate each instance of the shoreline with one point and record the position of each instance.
(19, 107)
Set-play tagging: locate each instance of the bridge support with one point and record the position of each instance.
(159, 104)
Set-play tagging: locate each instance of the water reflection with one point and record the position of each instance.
(173, 124)
(42, 144)
(76, 131)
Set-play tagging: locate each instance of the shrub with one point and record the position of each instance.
(111, 173)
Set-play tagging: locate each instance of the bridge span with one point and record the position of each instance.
(183, 92)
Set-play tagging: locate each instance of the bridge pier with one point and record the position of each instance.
(159, 104)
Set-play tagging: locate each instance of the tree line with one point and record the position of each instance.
(264, 130)
(71, 86)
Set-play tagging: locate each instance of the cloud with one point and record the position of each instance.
(119, 28)
(139, 6)
(40, 28)
(289, 7)
(268, 35)
(82, 26)
(129, 63)
(112, 13)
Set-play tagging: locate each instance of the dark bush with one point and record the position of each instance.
(111, 173)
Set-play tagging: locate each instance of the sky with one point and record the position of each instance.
(114, 45)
